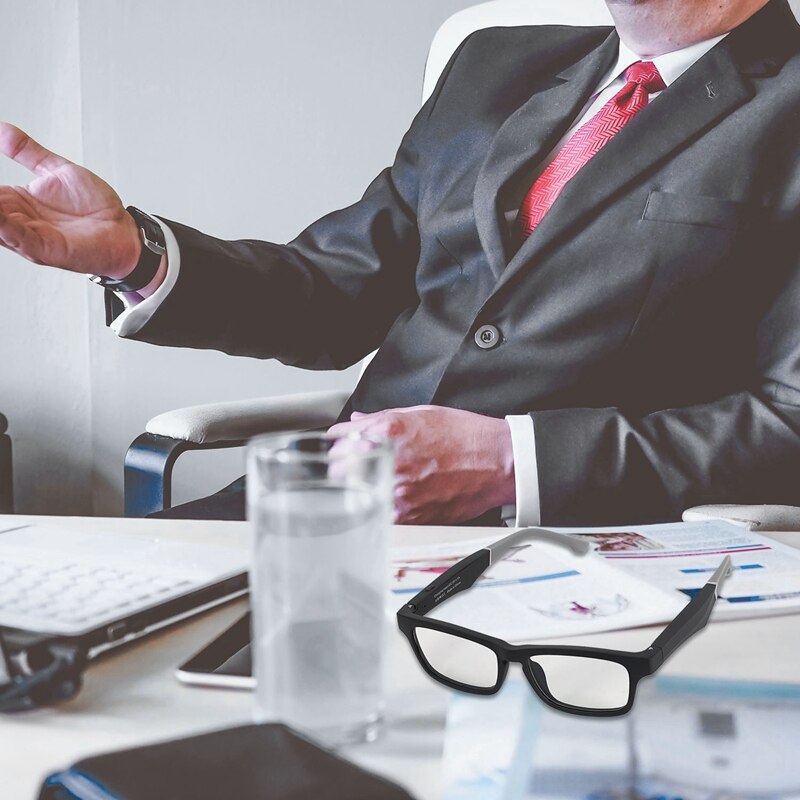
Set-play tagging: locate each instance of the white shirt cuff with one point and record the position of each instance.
(138, 310)
(526, 473)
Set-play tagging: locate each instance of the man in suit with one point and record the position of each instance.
(581, 271)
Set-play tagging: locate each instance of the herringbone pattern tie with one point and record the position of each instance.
(642, 80)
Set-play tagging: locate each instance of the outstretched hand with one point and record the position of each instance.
(451, 465)
(66, 217)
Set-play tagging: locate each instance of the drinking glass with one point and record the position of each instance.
(320, 507)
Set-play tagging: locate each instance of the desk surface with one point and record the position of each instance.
(131, 696)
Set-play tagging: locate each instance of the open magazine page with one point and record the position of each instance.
(536, 591)
(680, 557)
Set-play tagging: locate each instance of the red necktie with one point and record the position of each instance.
(642, 80)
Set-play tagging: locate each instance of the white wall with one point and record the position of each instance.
(248, 119)
(44, 354)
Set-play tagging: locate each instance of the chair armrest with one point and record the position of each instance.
(152, 455)
(238, 420)
(764, 518)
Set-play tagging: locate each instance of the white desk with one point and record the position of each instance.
(131, 696)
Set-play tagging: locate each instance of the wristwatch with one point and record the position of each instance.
(149, 260)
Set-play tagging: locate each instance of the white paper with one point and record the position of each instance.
(637, 575)
(680, 557)
(536, 592)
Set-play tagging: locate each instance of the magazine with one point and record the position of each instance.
(635, 575)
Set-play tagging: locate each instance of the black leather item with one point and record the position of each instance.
(651, 324)
(252, 762)
(153, 247)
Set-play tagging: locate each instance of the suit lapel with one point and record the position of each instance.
(527, 136)
(703, 95)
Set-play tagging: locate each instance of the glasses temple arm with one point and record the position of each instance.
(463, 575)
(458, 578)
(580, 547)
(695, 614)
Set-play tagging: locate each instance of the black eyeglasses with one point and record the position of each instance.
(579, 680)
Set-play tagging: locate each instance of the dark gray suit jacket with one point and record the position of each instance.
(650, 326)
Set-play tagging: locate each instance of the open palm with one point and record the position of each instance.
(66, 217)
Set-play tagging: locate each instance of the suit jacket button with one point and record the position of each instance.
(487, 337)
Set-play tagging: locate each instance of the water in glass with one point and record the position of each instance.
(320, 582)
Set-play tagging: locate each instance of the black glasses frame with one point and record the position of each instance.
(462, 576)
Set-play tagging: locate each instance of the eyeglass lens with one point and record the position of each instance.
(457, 659)
(583, 682)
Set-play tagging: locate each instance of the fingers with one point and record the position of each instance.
(20, 239)
(389, 423)
(403, 410)
(17, 145)
(16, 231)
(358, 423)
(11, 233)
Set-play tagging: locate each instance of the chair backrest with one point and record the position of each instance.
(505, 14)
(501, 13)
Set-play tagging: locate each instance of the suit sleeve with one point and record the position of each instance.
(322, 301)
(603, 466)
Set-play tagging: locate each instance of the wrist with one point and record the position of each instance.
(151, 287)
(503, 489)
(129, 251)
(149, 269)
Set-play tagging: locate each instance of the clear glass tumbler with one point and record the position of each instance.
(320, 507)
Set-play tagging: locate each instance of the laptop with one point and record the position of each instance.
(103, 590)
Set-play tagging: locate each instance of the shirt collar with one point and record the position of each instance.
(670, 65)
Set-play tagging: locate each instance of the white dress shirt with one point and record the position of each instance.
(527, 510)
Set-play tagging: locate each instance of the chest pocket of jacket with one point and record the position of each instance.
(694, 209)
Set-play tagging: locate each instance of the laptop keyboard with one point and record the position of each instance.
(71, 596)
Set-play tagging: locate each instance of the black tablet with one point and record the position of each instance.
(225, 662)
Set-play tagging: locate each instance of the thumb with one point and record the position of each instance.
(18, 146)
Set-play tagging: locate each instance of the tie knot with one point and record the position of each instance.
(646, 75)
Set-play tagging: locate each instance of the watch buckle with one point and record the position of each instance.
(154, 247)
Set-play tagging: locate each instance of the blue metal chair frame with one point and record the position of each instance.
(149, 464)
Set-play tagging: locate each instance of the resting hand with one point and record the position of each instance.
(451, 465)
(66, 217)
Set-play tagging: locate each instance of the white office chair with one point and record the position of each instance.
(151, 457)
